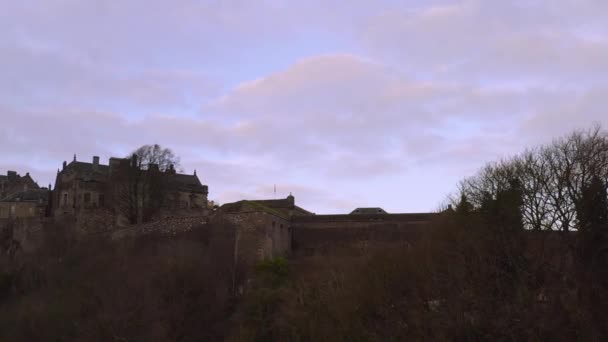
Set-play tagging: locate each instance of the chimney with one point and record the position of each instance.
(64, 164)
(134, 160)
(95, 162)
(171, 169)
(11, 175)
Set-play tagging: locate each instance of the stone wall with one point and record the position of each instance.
(259, 235)
(166, 226)
(322, 233)
(21, 209)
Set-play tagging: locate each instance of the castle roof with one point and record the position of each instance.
(33, 195)
(88, 170)
(280, 207)
(15, 178)
(12, 183)
(251, 206)
(98, 172)
(189, 183)
(368, 211)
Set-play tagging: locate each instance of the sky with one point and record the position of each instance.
(345, 104)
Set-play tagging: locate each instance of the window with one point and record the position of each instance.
(65, 199)
(102, 201)
(87, 198)
(12, 213)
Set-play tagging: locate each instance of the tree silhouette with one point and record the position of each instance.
(142, 183)
(155, 156)
(593, 207)
(464, 207)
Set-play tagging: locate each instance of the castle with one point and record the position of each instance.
(83, 186)
(121, 192)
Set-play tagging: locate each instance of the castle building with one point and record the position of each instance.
(13, 183)
(20, 196)
(85, 186)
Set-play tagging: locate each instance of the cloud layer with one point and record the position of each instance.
(385, 104)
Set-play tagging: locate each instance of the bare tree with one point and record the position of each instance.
(151, 156)
(142, 182)
(552, 179)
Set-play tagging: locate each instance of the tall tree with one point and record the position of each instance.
(155, 155)
(143, 188)
(464, 207)
(551, 178)
(593, 206)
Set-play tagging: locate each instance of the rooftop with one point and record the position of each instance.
(368, 211)
(281, 207)
(33, 195)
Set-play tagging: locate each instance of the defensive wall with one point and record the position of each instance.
(325, 232)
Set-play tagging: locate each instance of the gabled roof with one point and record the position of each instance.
(88, 171)
(368, 211)
(33, 195)
(189, 183)
(14, 183)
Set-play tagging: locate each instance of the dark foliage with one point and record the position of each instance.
(153, 288)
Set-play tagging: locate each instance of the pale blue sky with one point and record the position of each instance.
(344, 103)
